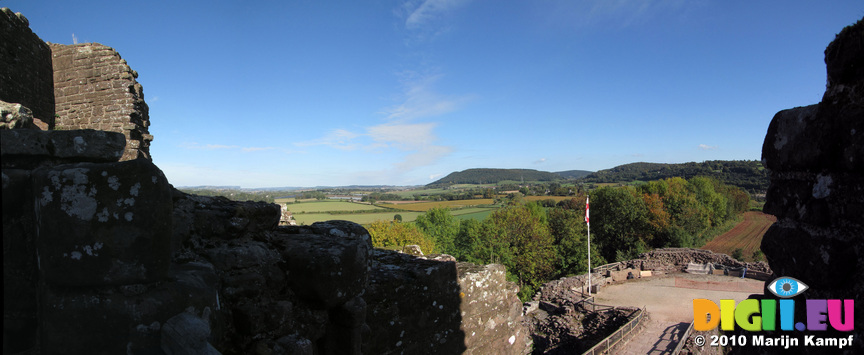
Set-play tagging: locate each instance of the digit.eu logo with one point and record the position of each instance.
(758, 315)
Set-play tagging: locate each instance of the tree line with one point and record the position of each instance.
(538, 242)
(747, 174)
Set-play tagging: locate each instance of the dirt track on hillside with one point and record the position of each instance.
(746, 235)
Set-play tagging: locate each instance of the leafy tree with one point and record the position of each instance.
(571, 241)
(441, 226)
(397, 218)
(471, 244)
(621, 222)
(524, 245)
(393, 234)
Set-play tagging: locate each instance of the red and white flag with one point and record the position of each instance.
(586, 210)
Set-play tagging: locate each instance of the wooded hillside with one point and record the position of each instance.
(746, 174)
(494, 176)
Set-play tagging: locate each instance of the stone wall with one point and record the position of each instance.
(816, 158)
(95, 88)
(102, 251)
(434, 305)
(25, 68)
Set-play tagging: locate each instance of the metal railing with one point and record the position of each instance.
(683, 339)
(623, 333)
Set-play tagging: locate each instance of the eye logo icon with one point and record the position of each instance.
(786, 287)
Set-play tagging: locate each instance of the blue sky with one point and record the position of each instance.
(309, 93)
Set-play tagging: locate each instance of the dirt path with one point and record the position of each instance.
(670, 307)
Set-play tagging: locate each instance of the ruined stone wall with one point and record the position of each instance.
(25, 68)
(815, 155)
(103, 256)
(94, 88)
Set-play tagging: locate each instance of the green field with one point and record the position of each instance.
(361, 218)
(330, 206)
(480, 214)
(425, 206)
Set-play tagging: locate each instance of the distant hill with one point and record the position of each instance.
(493, 176)
(747, 174)
(574, 174)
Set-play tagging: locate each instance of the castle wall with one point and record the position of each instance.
(25, 68)
(94, 88)
(816, 158)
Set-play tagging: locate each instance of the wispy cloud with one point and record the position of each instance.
(612, 13)
(707, 147)
(401, 131)
(428, 19)
(337, 138)
(424, 12)
(540, 161)
(421, 100)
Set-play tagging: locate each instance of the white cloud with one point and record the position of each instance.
(707, 147)
(540, 161)
(435, 176)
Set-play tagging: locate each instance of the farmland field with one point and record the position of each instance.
(372, 216)
(425, 206)
(541, 198)
(747, 235)
(361, 218)
(330, 206)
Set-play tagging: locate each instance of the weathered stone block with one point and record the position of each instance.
(187, 334)
(799, 128)
(24, 142)
(88, 145)
(327, 268)
(103, 224)
(414, 305)
(118, 320)
(220, 218)
(15, 116)
(29, 149)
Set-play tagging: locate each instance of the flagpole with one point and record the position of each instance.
(589, 245)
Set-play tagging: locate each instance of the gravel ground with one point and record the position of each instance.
(669, 307)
